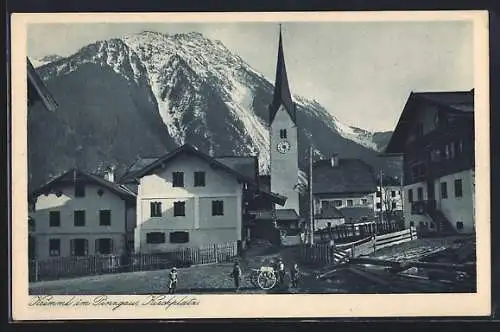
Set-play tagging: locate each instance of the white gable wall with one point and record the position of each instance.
(202, 226)
(66, 204)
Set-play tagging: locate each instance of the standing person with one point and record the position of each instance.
(294, 275)
(172, 284)
(236, 274)
(281, 272)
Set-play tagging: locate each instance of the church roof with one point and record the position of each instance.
(282, 95)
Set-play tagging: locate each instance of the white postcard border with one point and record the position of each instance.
(250, 306)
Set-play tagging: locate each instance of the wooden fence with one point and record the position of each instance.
(72, 267)
(327, 254)
(353, 232)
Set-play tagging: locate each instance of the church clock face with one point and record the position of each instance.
(283, 146)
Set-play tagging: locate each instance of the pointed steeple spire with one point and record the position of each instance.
(282, 95)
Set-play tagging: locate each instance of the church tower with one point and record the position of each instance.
(284, 140)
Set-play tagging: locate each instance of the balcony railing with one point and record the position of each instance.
(423, 207)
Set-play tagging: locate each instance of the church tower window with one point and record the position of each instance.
(282, 133)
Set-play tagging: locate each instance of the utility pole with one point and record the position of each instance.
(381, 195)
(311, 201)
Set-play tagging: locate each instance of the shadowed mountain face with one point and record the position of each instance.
(144, 94)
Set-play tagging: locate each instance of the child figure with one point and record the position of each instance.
(294, 275)
(236, 274)
(172, 285)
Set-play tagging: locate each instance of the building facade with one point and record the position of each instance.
(435, 135)
(80, 214)
(189, 199)
(388, 199)
(344, 185)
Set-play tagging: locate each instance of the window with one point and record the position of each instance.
(325, 204)
(79, 247)
(432, 225)
(105, 218)
(179, 237)
(79, 218)
(337, 203)
(79, 189)
(412, 223)
(420, 194)
(155, 237)
(379, 206)
(217, 208)
(178, 179)
(460, 225)
(447, 151)
(379, 194)
(410, 195)
(458, 188)
(444, 190)
(54, 247)
(104, 246)
(350, 202)
(393, 205)
(199, 179)
(54, 218)
(179, 209)
(282, 133)
(393, 193)
(155, 209)
(364, 201)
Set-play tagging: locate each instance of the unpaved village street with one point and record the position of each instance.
(210, 279)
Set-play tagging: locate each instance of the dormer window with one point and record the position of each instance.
(282, 133)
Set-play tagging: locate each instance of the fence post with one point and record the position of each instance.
(215, 254)
(374, 243)
(353, 247)
(411, 234)
(36, 269)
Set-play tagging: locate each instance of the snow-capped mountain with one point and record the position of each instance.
(157, 91)
(37, 62)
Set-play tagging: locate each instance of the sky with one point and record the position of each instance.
(361, 72)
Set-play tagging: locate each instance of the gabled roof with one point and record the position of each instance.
(139, 164)
(37, 90)
(459, 103)
(389, 181)
(281, 215)
(246, 165)
(75, 175)
(349, 176)
(282, 95)
(330, 212)
(357, 213)
(189, 150)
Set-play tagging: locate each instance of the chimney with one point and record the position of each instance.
(109, 174)
(334, 160)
